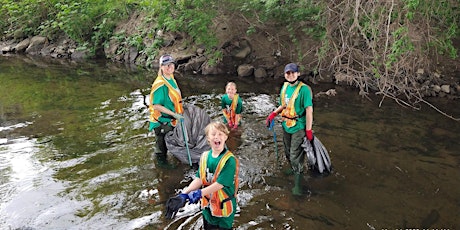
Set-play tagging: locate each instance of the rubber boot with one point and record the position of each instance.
(297, 190)
(162, 161)
(288, 171)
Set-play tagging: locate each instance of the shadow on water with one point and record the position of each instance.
(75, 154)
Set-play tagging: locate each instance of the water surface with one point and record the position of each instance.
(75, 153)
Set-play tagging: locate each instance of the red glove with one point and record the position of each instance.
(309, 134)
(270, 118)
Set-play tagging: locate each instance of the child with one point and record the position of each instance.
(216, 181)
(232, 106)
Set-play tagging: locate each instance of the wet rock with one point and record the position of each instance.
(7, 49)
(79, 54)
(22, 46)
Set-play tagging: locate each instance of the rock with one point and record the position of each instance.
(7, 49)
(22, 46)
(245, 70)
(194, 65)
(260, 73)
(244, 51)
(445, 88)
(79, 55)
(36, 45)
(436, 88)
(131, 56)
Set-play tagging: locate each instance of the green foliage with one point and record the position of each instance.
(401, 45)
(88, 22)
(23, 16)
(442, 17)
(91, 23)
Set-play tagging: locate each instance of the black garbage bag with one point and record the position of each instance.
(195, 121)
(173, 205)
(317, 156)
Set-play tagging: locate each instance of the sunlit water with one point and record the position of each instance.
(75, 154)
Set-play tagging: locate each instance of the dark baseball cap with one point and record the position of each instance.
(291, 67)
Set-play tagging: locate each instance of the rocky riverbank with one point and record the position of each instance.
(261, 55)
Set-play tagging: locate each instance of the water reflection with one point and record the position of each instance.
(75, 154)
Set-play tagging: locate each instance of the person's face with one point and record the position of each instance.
(291, 76)
(168, 69)
(216, 139)
(230, 90)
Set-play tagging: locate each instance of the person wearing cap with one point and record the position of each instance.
(165, 106)
(296, 109)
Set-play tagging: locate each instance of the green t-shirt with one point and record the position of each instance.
(161, 97)
(303, 100)
(225, 178)
(226, 101)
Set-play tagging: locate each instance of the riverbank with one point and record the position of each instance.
(249, 48)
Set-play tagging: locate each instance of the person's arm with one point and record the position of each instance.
(194, 185)
(309, 117)
(163, 109)
(279, 109)
(211, 188)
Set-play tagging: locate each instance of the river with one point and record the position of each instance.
(75, 153)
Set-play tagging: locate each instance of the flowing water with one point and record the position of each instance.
(75, 153)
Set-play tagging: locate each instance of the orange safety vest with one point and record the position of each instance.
(230, 115)
(217, 201)
(173, 93)
(288, 114)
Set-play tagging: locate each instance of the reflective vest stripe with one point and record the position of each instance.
(219, 202)
(174, 95)
(230, 116)
(289, 114)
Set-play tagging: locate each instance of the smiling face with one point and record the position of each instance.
(217, 135)
(168, 69)
(230, 89)
(291, 77)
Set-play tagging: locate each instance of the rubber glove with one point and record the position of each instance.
(178, 117)
(309, 134)
(194, 196)
(270, 118)
(235, 126)
(184, 196)
(230, 124)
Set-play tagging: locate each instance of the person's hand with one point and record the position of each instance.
(270, 118)
(230, 124)
(235, 126)
(194, 196)
(309, 134)
(178, 117)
